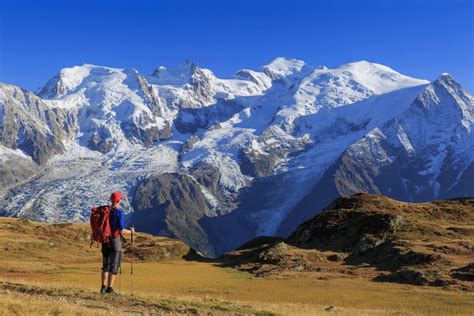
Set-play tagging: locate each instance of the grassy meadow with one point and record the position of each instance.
(48, 269)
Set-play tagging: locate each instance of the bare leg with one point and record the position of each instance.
(105, 276)
(111, 279)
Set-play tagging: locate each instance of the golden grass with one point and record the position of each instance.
(206, 283)
(18, 304)
(204, 286)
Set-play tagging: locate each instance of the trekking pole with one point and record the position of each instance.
(124, 242)
(131, 264)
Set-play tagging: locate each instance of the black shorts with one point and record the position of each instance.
(112, 255)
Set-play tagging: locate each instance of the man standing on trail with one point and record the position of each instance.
(112, 251)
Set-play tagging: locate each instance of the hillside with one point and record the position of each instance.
(50, 268)
(377, 238)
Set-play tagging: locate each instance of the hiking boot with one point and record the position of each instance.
(110, 291)
(103, 290)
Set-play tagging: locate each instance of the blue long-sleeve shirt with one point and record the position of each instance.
(116, 221)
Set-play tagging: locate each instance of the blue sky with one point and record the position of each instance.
(419, 38)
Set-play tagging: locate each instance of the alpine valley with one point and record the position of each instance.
(217, 162)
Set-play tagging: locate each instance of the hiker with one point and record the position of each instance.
(112, 251)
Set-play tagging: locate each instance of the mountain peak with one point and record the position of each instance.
(367, 66)
(446, 79)
(64, 81)
(364, 78)
(285, 62)
(184, 66)
(70, 78)
(444, 101)
(446, 84)
(283, 67)
(177, 75)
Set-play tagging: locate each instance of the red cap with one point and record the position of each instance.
(116, 196)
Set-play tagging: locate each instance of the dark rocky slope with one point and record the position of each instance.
(171, 205)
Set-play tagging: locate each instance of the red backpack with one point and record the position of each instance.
(100, 225)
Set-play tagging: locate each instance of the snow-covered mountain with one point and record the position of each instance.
(245, 154)
(424, 153)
